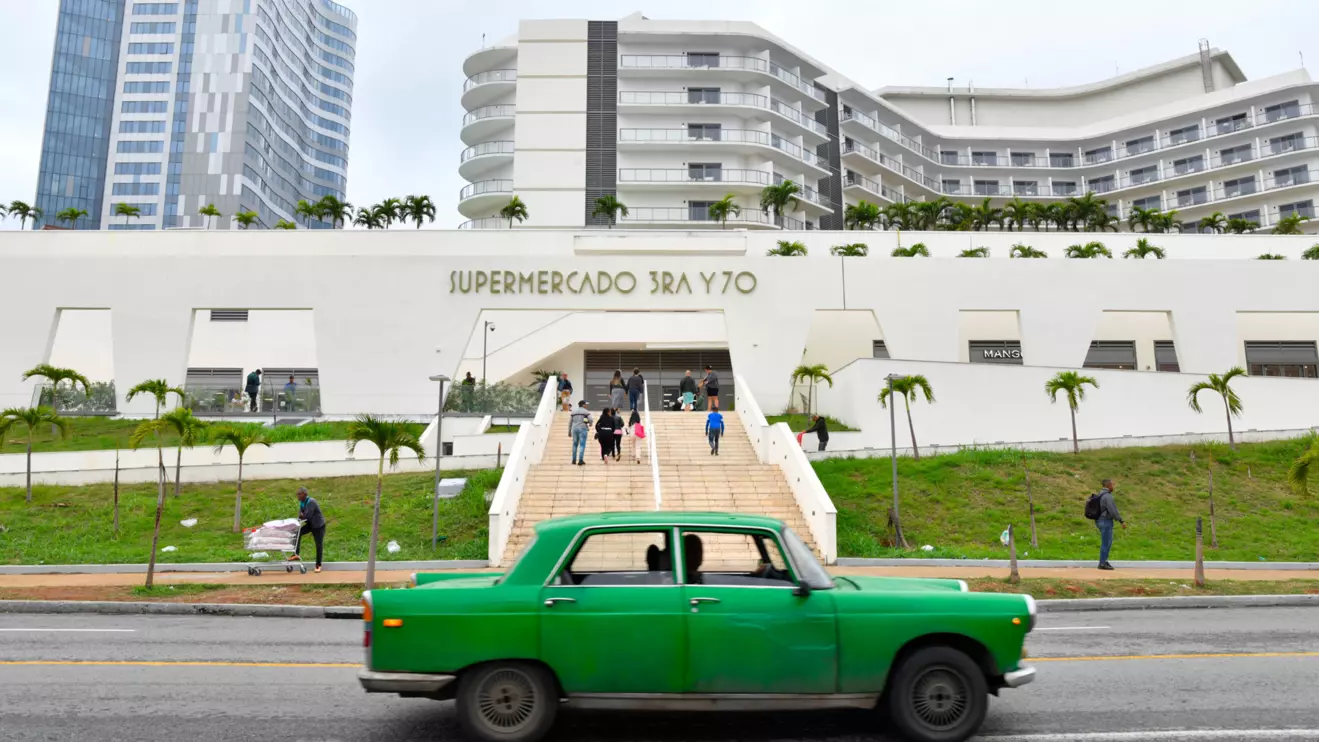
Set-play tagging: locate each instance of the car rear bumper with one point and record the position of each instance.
(1019, 677)
(403, 682)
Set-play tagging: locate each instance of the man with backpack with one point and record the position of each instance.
(1102, 509)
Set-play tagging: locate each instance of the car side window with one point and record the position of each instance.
(620, 559)
(734, 559)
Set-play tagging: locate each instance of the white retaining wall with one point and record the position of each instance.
(527, 450)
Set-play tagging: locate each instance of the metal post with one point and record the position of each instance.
(1199, 553)
(1013, 576)
(439, 451)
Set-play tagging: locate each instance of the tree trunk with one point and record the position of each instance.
(1213, 524)
(54, 407)
(375, 527)
(116, 490)
(1076, 445)
(29, 467)
(1030, 503)
(1230, 440)
(178, 469)
(915, 452)
(160, 508)
(1013, 576)
(238, 498)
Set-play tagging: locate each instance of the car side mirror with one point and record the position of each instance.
(802, 591)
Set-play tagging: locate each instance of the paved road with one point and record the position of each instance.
(1077, 698)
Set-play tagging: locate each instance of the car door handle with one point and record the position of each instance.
(552, 601)
(698, 601)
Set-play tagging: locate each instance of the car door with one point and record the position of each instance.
(613, 620)
(750, 630)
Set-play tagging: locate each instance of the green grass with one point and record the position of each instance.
(502, 429)
(73, 525)
(102, 433)
(801, 422)
(960, 503)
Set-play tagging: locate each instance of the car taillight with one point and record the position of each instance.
(366, 626)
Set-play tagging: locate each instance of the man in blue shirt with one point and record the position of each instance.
(714, 429)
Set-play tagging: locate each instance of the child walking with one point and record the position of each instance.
(714, 428)
(638, 434)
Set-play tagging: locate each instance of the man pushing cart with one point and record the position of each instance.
(285, 535)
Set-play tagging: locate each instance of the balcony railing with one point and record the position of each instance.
(486, 148)
(220, 398)
(1286, 181)
(694, 176)
(719, 61)
(857, 180)
(482, 78)
(1101, 186)
(488, 112)
(98, 399)
(483, 187)
(702, 136)
(1190, 198)
(650, 215)
(719, 98)
(489, 222)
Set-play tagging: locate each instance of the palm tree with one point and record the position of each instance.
(127, 211)
(1165, 221)
(1083, 209)
(416, 208)
(31, 417)
(56, 376)
(308, 210)
(1144, 249)
(158, 388)
(1271, 256)
(1141, 217)
(209, 211)
(960, 217)
(862, 215)
(974, 252)
(4, 211)
(984, 215)
(1089, 250)
(337, 212)
(908, 387)
(1237, 225)
(787, 249)
(610, 208)
(190, 430)
(1018, 213)
(723, 209)
(285, 224)
(1038, 214)
(1300, 470)
(152, 429)
(1222, 385)
(389, 438)
(1290, 224)
(1102, 221)
(1311, 254)
(71, 215)
(1073, 384)
(902, 216)
(1058, 214)
(1215, 222)
(854, 250)
(916, 250)
(369, 218)
(813, 374)
(246, 219)
(391, 210)
(928, 214)
(779, 199)
(1026, 251)
(514, 209)
(24, 212)
(241, 439)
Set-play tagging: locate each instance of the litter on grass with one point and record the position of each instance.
(188, 523)
(169, 548)
(259, 555)
(927, 547)
(393, 548)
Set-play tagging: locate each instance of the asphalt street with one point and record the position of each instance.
(1104, 677)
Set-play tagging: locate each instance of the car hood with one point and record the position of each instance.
(434, 582)
(897, 584)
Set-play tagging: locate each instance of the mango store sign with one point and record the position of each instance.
(598, 282)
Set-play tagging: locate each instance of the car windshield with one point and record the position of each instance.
(810, 571)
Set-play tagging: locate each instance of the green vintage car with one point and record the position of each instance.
(692, 611)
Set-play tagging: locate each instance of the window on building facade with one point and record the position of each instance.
(699, 211)
(137, 168)
(984, 158)
(703, 95)
(952, 186)
(1099, 154)
(1184, 134)
(148, 68)
(1023, 159)
(140, 147)
(1235, 122)
(705, 171)
(1149, 202)
(155, 8)
(1291, 176)
(704, 131)
(1186, 165)
(986, 187)
(1239, 186)
(1302, 208)
(878, 349)
(1165, 356)
(1100, 185)
(1192, 196)
(1233, 155)
(1290, 109)
(1292, 359)
(1141, 145)
(144, 106)
(702, 59)
(162, 47)
(153, 28)
(1288, 143)
(135, 189)
(1006, 352)
(948, 158)
(1062, 159)
(1114, 354)
(141, 127)
(1143, 175)
(1026, 187)
(143, 209)
(147, 88)
(1250, 216)
(1064, 188)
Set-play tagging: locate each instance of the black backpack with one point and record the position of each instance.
(1092, 507)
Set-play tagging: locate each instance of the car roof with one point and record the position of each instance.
(662, 518)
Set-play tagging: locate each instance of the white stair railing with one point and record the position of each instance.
(650, 446)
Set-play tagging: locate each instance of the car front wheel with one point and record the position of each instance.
(507, 702)
(938, 694)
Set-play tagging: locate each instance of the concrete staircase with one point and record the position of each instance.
(690, 478)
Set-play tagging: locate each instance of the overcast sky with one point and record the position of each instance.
(406, 110)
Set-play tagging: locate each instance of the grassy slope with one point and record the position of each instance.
(72, 525)
(799, 423)
(960, 503)
(101, 433)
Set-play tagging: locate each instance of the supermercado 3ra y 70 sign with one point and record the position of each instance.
(599, 282)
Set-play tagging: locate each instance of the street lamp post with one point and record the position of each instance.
(439, 451)
(485, 344)
(893, 452)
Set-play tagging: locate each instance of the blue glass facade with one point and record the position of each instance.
(180, 129)
(79, 109)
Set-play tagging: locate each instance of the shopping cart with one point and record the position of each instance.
(275, 537)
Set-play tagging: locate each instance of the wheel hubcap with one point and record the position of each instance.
(506, 700)
(940, 698)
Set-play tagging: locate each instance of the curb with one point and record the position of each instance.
(104, 569)
(1069, 605)
(1071, 563)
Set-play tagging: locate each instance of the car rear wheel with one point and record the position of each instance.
(938, 694)
(507, 702)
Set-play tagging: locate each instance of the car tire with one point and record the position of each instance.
(507, 702)
(938, 694)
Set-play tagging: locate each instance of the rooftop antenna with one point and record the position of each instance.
(482, 41)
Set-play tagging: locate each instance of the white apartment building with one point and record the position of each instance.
(670, 116)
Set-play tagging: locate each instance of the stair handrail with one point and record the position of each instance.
(650, 445)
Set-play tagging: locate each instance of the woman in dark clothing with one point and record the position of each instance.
(604, 432)
(618, 433)
(617, 390)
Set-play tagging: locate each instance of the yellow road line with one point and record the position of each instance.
(1225, 655)
(144, 663)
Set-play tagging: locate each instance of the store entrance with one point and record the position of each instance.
(663, 370)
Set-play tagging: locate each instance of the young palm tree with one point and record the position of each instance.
(1238, 225)
(56, 376)
(1083, 209)
(787, 249)
(1103, 222)
(984, 215)
(1299, 473)
(1073, 385)
(1165, 221)
(908, 388)
(1026, 251)
(246, 219)
(285, 224)
(416, 208)
(1222, 386)
(1271, 256)
(1312, 253)
(1290, 224)
(902, 216)
(974, 252)
(190, 430)
(391, 210)
(610, 208)
(723, 209)
(241, 439)
(854, 250)
(1018, 213)
(1141, 217)
(1144, 249)
(24, 212)
(1059, 215)
(1038, 214)
(390, 438)
(335, 211)
(779, 199)
(1089, 250)
(71, 215)
(31, 417)
(308, 210)
(158, 388)
(1215, 222)
(960, 217)
(916, 250)
(928, 214)
(514, 209)
(862, 215)
(813, 375)
(152, 429)
(4, 211)
(369, 218)
(127, 211)
(210, 212)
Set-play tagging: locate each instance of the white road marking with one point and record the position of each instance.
(1070, 628)
(1167, 736)
(95, 631)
